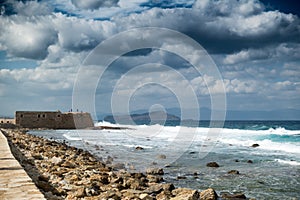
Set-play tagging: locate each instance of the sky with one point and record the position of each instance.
(254, 46)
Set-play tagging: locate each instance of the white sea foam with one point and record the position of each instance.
(288, 162)
(71, 136)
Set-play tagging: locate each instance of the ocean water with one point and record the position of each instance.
(269, 171)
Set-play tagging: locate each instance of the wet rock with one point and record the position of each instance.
(109, 160)
(249, 161)
(233, 172)
(118, 166)
(161, 156)
(139, 148)
(185, 194)
(255, 145)
(233, 196)
(155, 171)
(208, 194)
(212, 164)
(181, 177)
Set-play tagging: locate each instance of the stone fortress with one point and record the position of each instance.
(52, 120)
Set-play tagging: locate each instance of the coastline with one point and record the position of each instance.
(64, 172)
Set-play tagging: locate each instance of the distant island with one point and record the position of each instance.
(156, 117)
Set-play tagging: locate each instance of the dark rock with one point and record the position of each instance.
(249, 161)
(236, 160)
(139, 148)
(181, 177)
(212, 164)
(233, 196)
(43, 178)
(255, 145)
(45, 186)
(233, 172)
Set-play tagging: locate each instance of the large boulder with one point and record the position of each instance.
(208, 194)
(185, 194)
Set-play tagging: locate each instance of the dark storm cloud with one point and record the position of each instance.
(94, 4)
(223, 34)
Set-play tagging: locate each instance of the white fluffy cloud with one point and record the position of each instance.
(258, 49)
(27, 37)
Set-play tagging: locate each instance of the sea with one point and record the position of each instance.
(271, 170)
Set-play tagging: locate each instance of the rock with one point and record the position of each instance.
(139, 148)
(163, 196)
(236, 160)
(168, 187)
(43, 178)
(161, 156)
(233, 172)
(185, 194)
(212, 164)
(56, 160)
(37, 156)
(68, 164)
(155, 171)
(45, 186)
(181, 177)
(80, 192)
(154, 179)
(154, 189)
(255, 145)
(145, 197)
(109, 160)
(249, 161)
(208, 194)
(118, 166)
(233, 196)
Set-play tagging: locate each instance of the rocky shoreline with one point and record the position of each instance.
(64, 172)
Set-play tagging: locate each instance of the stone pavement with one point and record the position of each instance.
(14, 181)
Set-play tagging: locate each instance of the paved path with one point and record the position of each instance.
(14, 181)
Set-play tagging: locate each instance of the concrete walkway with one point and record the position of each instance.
(14, 181)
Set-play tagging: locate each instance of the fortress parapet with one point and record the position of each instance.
(53, 120)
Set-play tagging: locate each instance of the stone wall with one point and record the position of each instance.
(53, 120)
(7, 121)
